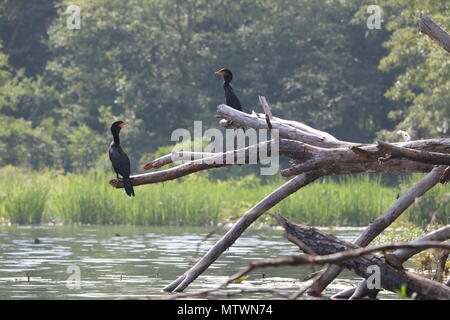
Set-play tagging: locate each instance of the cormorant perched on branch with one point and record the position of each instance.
(119, 159)
(230, 97)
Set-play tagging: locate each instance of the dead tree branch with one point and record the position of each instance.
(394, 152)
(392, 278)
(402, 255)
(435, 32)
(381, 223)
(335, 258)
(288, 129)
(315, 154)
(238, 228)
(169, 158)
(268, 113)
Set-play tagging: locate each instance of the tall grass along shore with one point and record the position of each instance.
(28, 197)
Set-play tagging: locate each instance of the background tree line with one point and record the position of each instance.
(152, 63)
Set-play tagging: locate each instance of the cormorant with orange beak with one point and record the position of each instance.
(119, 159)
(230, 98)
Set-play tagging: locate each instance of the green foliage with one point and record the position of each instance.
(241, 279)
(433, 205)
(84, 151)
(401, 231)
(151, 63)
(422, 90)
(350, 201)
(22, 201)
(32, 197)
(21, 144)
(23, 30)
(402, 293)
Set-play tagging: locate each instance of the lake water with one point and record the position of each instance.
(124, 261)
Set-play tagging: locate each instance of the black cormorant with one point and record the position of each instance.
(119, 159)
(230, 97)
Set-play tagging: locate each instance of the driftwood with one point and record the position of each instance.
(238, 228)
(430, 28)
(313, 154)
(401, 256)
(395, 152)
(441, 37)
(223, 289)
(381, 223)
(392, 277)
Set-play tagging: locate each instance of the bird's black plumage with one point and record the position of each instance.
(119, 159)
(230, 97)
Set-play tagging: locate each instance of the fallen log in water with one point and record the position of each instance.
(381, 223)
(401, 256)
(391, 278)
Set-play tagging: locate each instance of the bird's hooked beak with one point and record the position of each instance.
(220, 73)
(124, 124)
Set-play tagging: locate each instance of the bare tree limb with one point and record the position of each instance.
(307, 135)
(445, 176)
(168, 158)
(382, 222)
(315, 154)
(238, 228)
(392, 278)
(402, 255)
(394, 152)
(435, 32)
(338, 160)
(334, 258)
(232, 157)
(267, 111)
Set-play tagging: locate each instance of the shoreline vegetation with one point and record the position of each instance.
(31, 197)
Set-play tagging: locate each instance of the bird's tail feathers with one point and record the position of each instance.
(128, 186)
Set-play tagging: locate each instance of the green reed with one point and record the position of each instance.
(23, 200)
(348, 201)
(32, 198)
(433, 206)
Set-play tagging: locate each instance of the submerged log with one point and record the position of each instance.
(381, 223)
(391, 278)
(402, 255)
